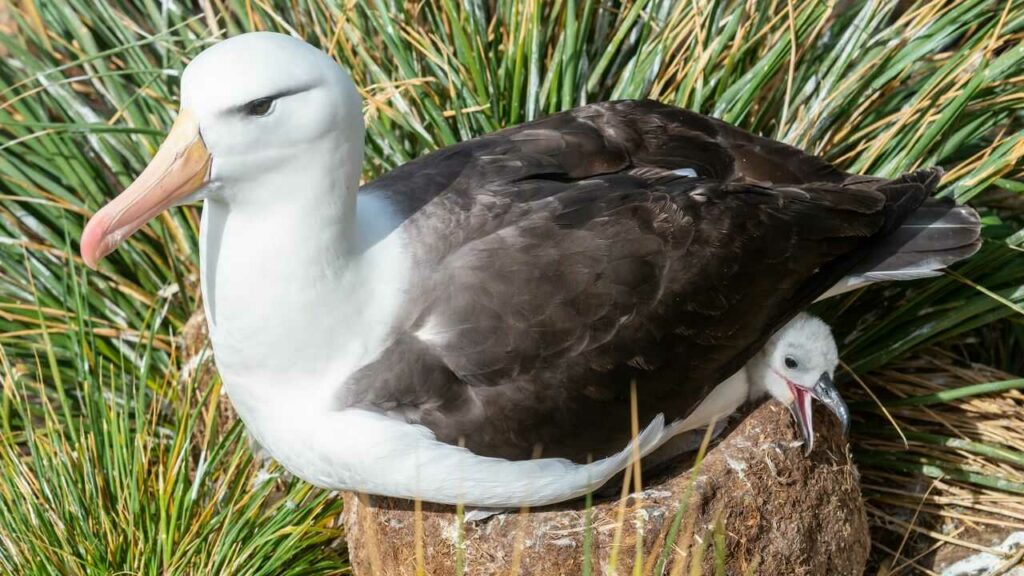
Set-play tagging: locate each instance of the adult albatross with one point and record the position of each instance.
(500, 294)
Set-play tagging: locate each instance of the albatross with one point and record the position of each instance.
(467, 327)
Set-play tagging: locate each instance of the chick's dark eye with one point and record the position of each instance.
(791, 362)
(259, 107)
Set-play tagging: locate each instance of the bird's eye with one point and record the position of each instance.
(791, 362)
(258, 107)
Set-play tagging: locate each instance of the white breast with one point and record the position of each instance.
(367, 451)
(723, 400)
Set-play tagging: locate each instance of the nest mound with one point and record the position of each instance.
(771, 510)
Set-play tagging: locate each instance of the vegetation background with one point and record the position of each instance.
(118, 454)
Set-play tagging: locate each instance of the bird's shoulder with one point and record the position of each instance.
(592, 140)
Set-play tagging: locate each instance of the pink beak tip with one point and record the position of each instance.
(93, 247)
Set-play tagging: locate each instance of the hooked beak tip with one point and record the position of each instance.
(93, 243)
(825, 391)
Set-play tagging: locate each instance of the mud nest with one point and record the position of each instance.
(771, 510)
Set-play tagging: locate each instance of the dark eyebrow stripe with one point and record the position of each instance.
(275, 96)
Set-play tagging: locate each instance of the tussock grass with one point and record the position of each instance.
(103, 441)
(960, 459)
(133, 482)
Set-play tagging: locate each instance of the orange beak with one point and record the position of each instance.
(181, 166)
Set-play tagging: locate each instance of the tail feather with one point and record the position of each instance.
(935, 235)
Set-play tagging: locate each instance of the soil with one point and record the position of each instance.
(780, 513)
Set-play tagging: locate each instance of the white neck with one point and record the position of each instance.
(295, 302)
(758, 372)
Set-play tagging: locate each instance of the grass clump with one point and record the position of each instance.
(114, 478)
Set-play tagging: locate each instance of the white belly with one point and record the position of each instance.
(365, 451)
(368, 452)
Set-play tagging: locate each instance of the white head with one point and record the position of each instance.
(255, 110)
(797, 364)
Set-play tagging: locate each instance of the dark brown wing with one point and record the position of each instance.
(565, 258)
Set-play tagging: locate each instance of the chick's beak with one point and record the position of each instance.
(180, 167)
(825, 391)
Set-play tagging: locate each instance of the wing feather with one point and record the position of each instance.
(572, 255)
